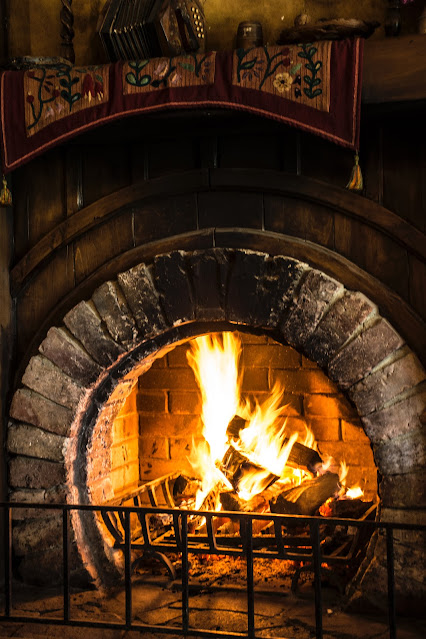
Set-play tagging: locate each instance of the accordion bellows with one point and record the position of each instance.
(138, 29)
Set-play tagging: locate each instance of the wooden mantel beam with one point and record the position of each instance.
(394, 70)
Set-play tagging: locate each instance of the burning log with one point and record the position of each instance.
(231, 501)
(184, 489)
(303, 457)
(236, 425)
(306, 498)
(236, 466)
(350, 508)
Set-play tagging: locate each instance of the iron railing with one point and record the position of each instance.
(247, 550)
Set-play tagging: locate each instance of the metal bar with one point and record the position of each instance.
(65, 561)
(391, 583)
(250, 580)
(185, 574)
(316, 549)
(127, 569)
(7, 560)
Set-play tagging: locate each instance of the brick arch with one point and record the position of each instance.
(85, 368)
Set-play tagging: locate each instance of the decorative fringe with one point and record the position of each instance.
(356, 182)
(5, 194)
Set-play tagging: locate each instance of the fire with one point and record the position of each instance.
(246, 445)
(262, 439)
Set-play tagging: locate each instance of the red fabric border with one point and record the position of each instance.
(339, 125)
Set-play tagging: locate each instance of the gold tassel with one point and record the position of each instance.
(356, 182)
(5, 194)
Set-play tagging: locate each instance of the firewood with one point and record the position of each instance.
(349, 508)
(303, 457)
(231, 501)
(235, 465)
(236, 425)
(185, 488)
(306, 498)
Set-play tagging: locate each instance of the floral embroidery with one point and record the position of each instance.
(283, 82)
(52, 92)
(308, 52)
(160, 73)
(278, 70)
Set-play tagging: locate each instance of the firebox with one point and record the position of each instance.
(118, 373)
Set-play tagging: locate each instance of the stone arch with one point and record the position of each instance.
(87, 364)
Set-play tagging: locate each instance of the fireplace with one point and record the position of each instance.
(122, 352)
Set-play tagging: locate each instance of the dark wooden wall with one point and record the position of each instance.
(73, 222)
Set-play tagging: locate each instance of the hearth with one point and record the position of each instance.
(113, 353)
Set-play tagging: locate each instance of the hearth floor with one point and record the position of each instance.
(276, 615)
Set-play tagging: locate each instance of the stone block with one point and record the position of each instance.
(371, 393)
(56, 495)
(395, 420)
(43, 376)
(125, 452)
(153, 402)
(260, 288)
(352, 431)
(153, 447)
(25, 472)
(32, 408)
(184, 403)
(34, 442)
(69, 355)
(37, 535)
(168, 379)
(181, 448)
(125, 427)
(404, 491)
(341, 320)
(315, 294)
(143, 300)
(270, 355)
(303, 381)
(325, 429)
(172, 425)
(86, 325)
(172, 282)
(362, 354)
(328, 406)
(209, 270)
(403, 454)
(112, 307)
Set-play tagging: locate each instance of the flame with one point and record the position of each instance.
(263, 441)
(214, 360)
(354, 493)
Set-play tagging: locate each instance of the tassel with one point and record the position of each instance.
(5, 194)
(356, 182)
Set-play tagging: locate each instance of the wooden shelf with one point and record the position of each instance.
(394, 70)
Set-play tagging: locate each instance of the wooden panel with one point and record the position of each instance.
(168, 155)
(299, 218)
(229, 209)
(374, 252)
(418, 285)
(250, 150)
(404, 164)
(50, 285)
(106, 168)
(39, 201)
(322, 160)
(394, 69)
(371, 159)
(102, 244)
(165, 217)
(73, 180)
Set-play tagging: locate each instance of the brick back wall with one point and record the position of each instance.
(169, 404)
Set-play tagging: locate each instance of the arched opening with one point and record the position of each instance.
(108, 342)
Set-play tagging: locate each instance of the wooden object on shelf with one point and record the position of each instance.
(67, 31)
(394, 70)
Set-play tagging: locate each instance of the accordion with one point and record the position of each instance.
(138, 29)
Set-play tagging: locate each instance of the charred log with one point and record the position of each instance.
(235, 466)
(306, 498)
(349, 508)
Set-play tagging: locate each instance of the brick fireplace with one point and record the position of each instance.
(108, 402)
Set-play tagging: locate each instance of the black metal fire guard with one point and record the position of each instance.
(182, 542)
